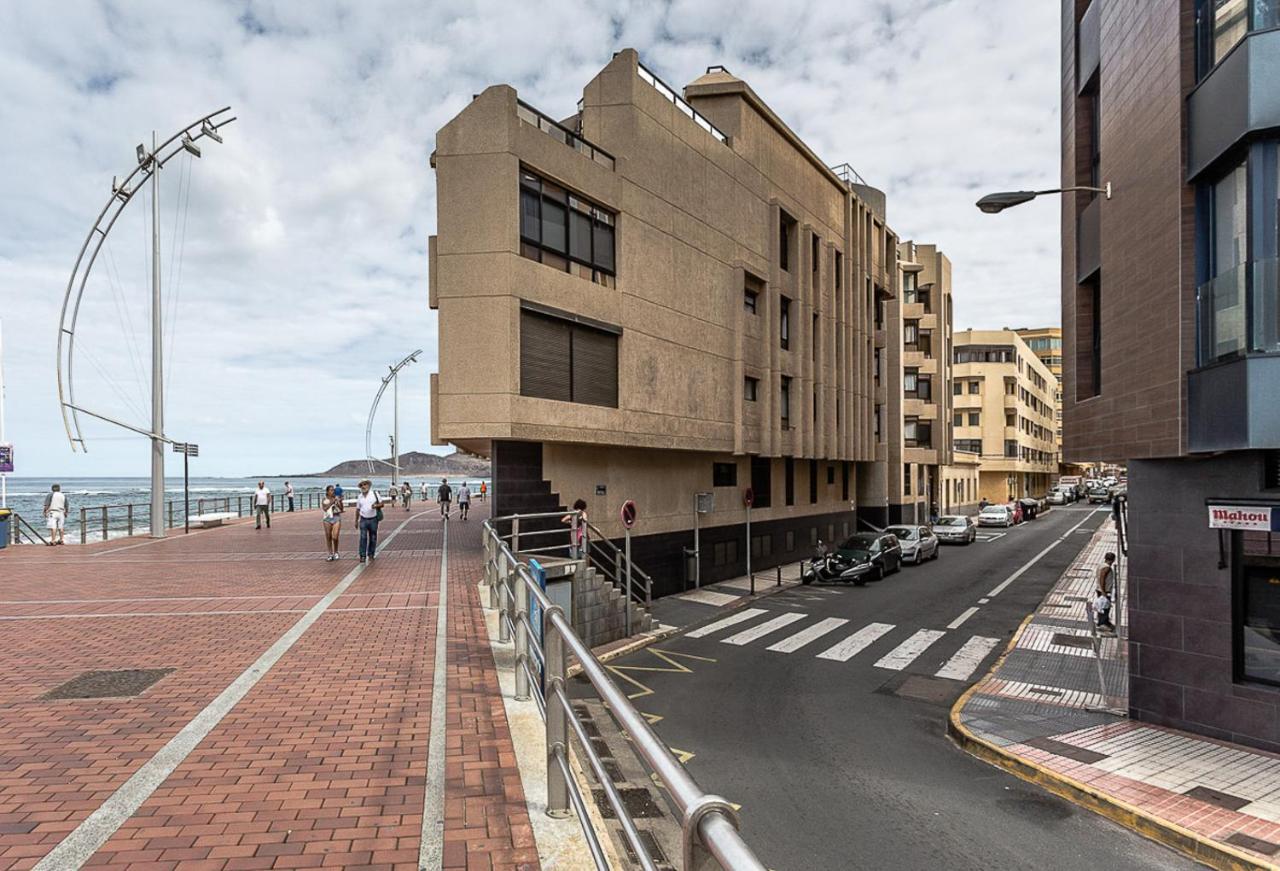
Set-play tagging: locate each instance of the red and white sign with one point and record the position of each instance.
(628, 514)
(1240, 517)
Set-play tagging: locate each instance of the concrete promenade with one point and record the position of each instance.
(230, 700)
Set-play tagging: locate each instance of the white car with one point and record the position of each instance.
(1056, 497)
(918, 543)
(995, 515)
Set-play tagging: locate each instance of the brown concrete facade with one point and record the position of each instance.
(721, 218)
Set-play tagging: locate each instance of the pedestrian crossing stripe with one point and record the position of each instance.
(746, 636)
(855, 643)
(906, 652)
(967, 659)
(724, 623)
(803, 637)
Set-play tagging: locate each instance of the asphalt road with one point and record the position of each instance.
(846, 764)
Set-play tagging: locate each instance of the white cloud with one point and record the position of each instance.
(304, 266)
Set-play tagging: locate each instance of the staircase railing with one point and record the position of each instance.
(33, 535)
(544, 640)
(610, 560)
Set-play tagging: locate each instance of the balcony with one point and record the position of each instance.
(1238, 312)
(564, 135)
(1236, 97)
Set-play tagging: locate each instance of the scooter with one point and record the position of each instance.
(828, 567)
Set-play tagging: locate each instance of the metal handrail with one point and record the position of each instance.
(709, 824)
(31, 533)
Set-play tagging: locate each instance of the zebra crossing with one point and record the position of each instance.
(754, 624)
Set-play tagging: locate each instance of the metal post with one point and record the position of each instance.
(170, 515)
(515, 534)
(186, 494)
(628, 593)
(697, 547)
(505, 612)
(395, 448)
(749, 572)
(83, 531)
(157, 354)
(522, 638)
(779, 583)
(129, 518)
(557, 727)
(104, 523)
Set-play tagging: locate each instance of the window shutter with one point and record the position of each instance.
(595, 367)
(544, 357)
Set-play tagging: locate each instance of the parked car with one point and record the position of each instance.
(955, 529)
(996, 515)
(1057, 497)
(1099, 495)
(880, 549)
(918, 543)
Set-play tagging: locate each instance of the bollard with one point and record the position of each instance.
(557, 726)
(104, 523)
(522, 638)
(171, 514)
(83, 531)
(515, 535)
(129, 518)
(199, 506)
(779, 581)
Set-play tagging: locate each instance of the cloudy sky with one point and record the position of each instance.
(295, 253)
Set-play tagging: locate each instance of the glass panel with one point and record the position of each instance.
(579, 235)
(1266, 305)
(1230, 223)
(1230, 24)
(554, 225)
(604, 257)
(1261, 630)
(527, 115)
(529, 215)
(1266, 13)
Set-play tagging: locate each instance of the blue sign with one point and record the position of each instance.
(6, 458)
(535, 616)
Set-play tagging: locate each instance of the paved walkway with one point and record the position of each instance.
(228, 699)
(1043, 713)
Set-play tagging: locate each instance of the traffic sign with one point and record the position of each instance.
(628, 514)
(189, 448)
(748, 497)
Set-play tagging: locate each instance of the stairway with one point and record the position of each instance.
(599, 610)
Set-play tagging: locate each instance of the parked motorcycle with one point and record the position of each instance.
(829, 567)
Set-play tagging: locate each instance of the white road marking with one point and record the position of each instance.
(906, 652)
(726, 622)
(794, 642)
(746, 636)
(984, 600)
(81, 843)
(854, 644)
(1035, 559)
(966, 660)
(431, 843)
(709, 597)
(956, 623)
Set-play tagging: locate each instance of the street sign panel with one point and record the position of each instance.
(748, 497)
(628, 514)
(6, 458)
(706, 503)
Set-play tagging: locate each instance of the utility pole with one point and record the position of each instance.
(395, 401)
(4, 476)
(157, 357)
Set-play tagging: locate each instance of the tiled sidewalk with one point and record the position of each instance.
(323, 761)
(1043, 713)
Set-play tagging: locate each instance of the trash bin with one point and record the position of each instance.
(690, 566)
(6, 517)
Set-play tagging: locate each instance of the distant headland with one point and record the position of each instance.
(412, 464)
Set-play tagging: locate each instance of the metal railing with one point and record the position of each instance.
(668, 92)
(124, 519)
(544, 640)
(17, 523)
(560, 133)
(849, 175)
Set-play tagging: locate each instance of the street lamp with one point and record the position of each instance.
(998, 202)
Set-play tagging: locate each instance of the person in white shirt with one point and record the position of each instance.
(426, 493)
(464, 500)
(288, 494)
(55, 512)
(262, 504)
(368, 504)
(332, 506)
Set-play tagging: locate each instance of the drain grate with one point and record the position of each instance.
(1045, 692)
(1215, 797)
(1257, 845)
(1067, 751)
(650, 844)
(934, 690)
(1064, 640)
(108, 684)
(637, 800)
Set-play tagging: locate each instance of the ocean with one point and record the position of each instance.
(26, 498)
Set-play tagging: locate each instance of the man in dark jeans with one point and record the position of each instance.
(262, 505)
(445, 495)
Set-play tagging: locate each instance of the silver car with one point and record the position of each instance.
(955, 529)
(918, 543)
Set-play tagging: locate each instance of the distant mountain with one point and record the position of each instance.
(412, 464)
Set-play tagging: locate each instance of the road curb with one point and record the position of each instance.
(1185, 841)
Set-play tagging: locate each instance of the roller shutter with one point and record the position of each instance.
(595, 367)
(545, 370)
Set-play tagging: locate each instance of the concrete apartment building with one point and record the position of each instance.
(1171, 329)
(675, 295)
(916, 366)
(1002, 401)
(1046, 343)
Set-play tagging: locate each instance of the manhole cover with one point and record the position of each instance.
(1215, 797)
(637, 800)
(1063, 640)
(108, 684)
(1045, 692)
(1257, 845)
(1068, 751)
(934, 690)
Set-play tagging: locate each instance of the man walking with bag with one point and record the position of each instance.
(368, 513)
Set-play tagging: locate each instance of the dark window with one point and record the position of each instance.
(831, 474)
(761, 545)
(838, 269)
(726, 552)
(917, 433)
(1256, 556)
(724, 474)
(1089, 338)
(789, 479)
(844, 481)
(957, 419)
(922, 295)
(785, 403)
(813, 337)
(789, 540)
(561, 229)
(924, 342)
(749, 388)
(762, 481)
(1011, 448)
(910, 334)
(813, 482)
(975, 386)
(567, 361)
(971, 446)
(814, 245)
(974, 418)
(749, 300)
(906, 479)
(909, 293)
(784, 322)
(957, 387)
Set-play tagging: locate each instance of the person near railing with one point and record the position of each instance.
(369, 512)
(262, 504)
(56, 506)
(332, 506)
(577, 520)
(464, 500)
(288, 494)
(484, 490)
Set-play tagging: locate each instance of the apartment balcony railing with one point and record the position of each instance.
(849, 175)
(1238, 312)
(666, 91)
(564, 135)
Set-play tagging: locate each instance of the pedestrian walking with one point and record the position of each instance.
(425, 492)
(288, 494)
(444, 495)
(369, 511)
(1107, 575)
(332, 507)
(483, 490)
(56, 507)
(406, 494)
(1102, 612)
(464, 500)
(262, 505)
(577, 520)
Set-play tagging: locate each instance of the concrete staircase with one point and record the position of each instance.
(599, 610)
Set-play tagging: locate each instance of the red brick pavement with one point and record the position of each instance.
(322, 763)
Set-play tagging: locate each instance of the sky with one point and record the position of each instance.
(294, 254)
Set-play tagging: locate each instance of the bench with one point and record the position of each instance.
(204, 521)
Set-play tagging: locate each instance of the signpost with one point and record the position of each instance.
(703, 503)
(748, 498)
(628, 513)
(188, 450)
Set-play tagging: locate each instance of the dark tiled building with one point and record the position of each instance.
(1171, 336)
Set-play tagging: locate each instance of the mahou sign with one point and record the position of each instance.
(1256, 517)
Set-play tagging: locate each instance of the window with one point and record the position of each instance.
(761, 546)
(749, 388)
(813, 337)
(813, 482)
(784, 323)
(1011, 448)
(789, 480)
(814, 245)
(789, 540)
(1222, 299)
(749, 300)
(785, 404)
(844, 480)
(917, 433)
(1010, 418)
(1089, 337)
(910, 380)
(786, 236)
(831, 474)
(957, 419)
(924, 342)
(762, 481)
(837, 269)
(922, 296)
(568, 361)
(1256, 556)
(726, 552)
(908, 288)
(974, 418)
(1220, 26)
(724, 474)
(969, 446)
(563, 230)
(975, 386)
(957, 388)
(910, 334)
(906, 479)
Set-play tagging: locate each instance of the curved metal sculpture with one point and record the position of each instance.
(373, 409)
(122, 193)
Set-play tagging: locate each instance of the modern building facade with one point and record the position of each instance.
(1046, 343)
(1002, 411)
(676, 296)
(1171, 334)
(918, 357)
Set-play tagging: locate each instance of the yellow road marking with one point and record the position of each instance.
(672, 667)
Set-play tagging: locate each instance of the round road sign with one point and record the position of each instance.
(628, 514)
(748, 497)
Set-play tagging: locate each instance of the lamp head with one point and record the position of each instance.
(998, 202)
